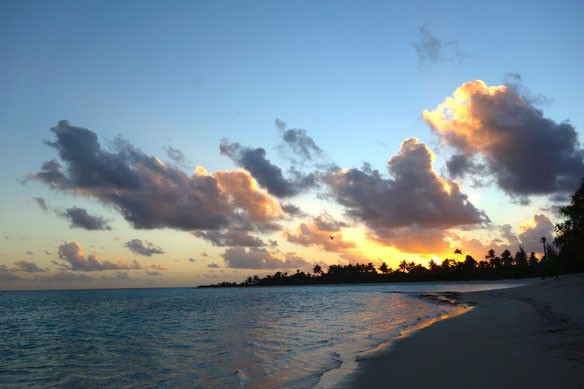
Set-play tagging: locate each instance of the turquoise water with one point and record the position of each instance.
(280, 337)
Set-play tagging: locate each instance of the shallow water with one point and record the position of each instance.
(277, 337)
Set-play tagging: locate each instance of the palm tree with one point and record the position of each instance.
(384, 268)
(458, 252)
(317, 269)
(543, 240)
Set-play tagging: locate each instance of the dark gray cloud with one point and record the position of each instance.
(29, 267)
(300, 149)
(41, 203)
(501, 130)
(431, 49)
(80, 218)
(143, 247)
(72, 253)
(177, 156)
(301, 144)
(260, 258)
(230, 237)
(292, 209)
(148, 193)
(459, 165)
(213, 265)
(415, 196)
(267, 174)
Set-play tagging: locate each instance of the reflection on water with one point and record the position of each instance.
(241, 337)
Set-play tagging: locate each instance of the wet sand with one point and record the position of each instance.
(525, 337)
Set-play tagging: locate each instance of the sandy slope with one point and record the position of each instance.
(525, 337)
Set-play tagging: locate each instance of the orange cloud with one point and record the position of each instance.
(326, 238)
(73, 253)
(495, 130)
(455, 119)
(242, 189)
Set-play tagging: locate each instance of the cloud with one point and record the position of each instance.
(153, 273)
(260, 258)
(63, 276)
(7, 276)
(73, 254)
(267, 174)
(177, 156)
(118, 276)
(301, 144)
(495, 129)
(430, 49)
(280, 124)
(319, 233)
(29, 267)
(231, 237)
(80, 218)
(241, 189)
(292, 210)
(213, 265)
(413, 239)
(148, 193)
(416, 197)
(143, 247)
(533, 230)
(41, 203)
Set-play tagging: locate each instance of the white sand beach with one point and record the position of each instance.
(525, 337)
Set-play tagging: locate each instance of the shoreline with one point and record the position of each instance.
(526, 336)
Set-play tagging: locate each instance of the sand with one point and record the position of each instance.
(525, 337)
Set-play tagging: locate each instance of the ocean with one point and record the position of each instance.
(263, 337)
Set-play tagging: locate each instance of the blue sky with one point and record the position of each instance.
(355, 76)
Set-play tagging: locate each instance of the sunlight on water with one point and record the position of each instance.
(241, 337)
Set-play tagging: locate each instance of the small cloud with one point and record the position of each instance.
(29, 267)
(177, 157)
(117, 276)
(63, 276)
(144, 248)
(7, 276)
(153, 273)
(41, 203)
(73, 254)
(80, 218)
(29, 253)
(430, 49)
(213, 265)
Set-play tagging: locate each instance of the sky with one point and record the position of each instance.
(180, 143)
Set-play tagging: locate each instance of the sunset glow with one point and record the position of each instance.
(190, 143)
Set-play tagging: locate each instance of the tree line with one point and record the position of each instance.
(564, 255)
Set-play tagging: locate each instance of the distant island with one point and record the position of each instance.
(563, 255)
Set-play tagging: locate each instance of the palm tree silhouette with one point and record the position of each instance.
(458, 252)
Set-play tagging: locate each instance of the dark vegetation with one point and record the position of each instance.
(564, 255)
